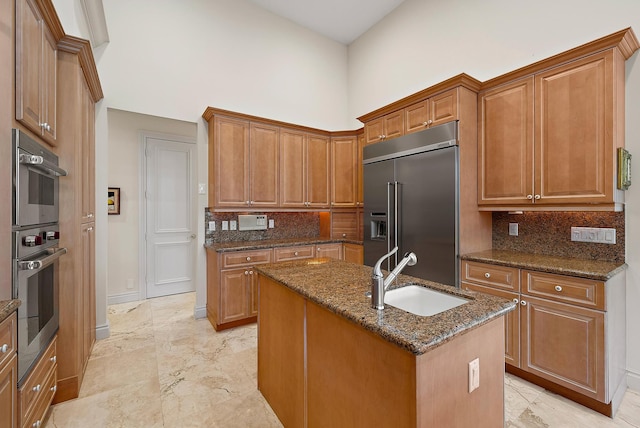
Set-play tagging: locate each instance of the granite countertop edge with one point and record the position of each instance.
(7, 307)
(222, 247)
(583, 268)
(344, 294)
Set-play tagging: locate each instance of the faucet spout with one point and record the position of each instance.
(379, 285)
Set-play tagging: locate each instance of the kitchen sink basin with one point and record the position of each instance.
(421, 300)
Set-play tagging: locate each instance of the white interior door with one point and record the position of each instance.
(170, 231)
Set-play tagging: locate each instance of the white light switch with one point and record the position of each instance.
(212, 226)
(513, 229)
(271, 223)
(233, 224)
(225, 225)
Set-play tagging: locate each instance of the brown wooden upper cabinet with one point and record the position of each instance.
(245, 164)
(432, 111)
(385, 127)
(305, 168)
(548, 139)
(36, 64)
(344, 170)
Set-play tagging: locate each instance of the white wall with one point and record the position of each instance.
(424, 42)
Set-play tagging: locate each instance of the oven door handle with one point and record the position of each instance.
(41, 163)
(54, 254)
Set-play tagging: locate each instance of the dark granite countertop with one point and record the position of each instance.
(222, 247)
(7, 307)
(340, 287)
(583, 268)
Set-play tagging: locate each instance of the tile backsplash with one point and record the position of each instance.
(287, 225)
(549, 233)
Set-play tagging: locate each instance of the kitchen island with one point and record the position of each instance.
(326, 358)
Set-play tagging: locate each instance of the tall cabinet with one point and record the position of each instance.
(76, 150)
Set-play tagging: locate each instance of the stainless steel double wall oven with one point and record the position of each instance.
(35, 236)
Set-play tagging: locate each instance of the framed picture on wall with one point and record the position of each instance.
(113, 200)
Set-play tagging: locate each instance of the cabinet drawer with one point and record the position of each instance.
(566, 289)
(7, 339)
(293, 253)
(503, 277)
(35, 385)
(42, 403)
(246, 258)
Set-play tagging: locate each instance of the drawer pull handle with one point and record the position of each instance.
(53, 359)
(487, 275)
(558, 288)
(523, 303)
(4, 348)
(37, 388)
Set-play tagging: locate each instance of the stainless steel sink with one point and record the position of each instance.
(421, 300)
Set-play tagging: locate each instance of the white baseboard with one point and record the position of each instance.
(633, 381)
(200, 312)
(123, 298)
(103, 331)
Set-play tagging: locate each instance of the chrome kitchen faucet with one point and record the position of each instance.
(379, 285)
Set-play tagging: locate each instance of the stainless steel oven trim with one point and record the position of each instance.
(39, 162)
(52, 254)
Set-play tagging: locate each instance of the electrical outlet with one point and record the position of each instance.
(474, 375)
(212, 226)
(594, 234)
(202, 189)
(225, 225)
(513, 229)
(271, 223)
(129, 283)
(233, 225)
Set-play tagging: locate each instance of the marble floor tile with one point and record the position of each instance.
(163, 368)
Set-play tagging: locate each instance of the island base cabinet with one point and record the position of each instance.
(281, 351)
(356, 378)
(318, 369)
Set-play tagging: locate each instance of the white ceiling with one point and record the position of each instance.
(340, 20)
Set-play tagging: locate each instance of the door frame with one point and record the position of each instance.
(142, 201)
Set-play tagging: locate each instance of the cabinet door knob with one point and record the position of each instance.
(246, 202)
(529, 197)
(344, 235)
(537, 197)
(523, 303)
(36, 424)
(4, 348)
(54, 388)
(428, 122)
(246, 272)
(250, 272)
(53, 359)
(516, 301)
(37, 388)
(487, 275)
(558, 288)
(248, 258)
(295, 253)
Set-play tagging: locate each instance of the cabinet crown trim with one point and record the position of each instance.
(82, 48)
(624, 40)
(211, 112)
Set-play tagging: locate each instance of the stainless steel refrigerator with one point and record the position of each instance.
(411, 200)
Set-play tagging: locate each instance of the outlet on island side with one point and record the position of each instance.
(513, 229)
(474, 375)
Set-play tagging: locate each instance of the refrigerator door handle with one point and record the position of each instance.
(391, 238)
(397, 200)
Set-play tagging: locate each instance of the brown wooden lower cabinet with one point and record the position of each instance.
(8, 373)
(353, 253)
(37, 391)
(568, 334)
(333, 251)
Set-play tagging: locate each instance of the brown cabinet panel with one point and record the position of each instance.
(8, 395)
(87, 156)
(234, 290)
(245, 258)
(318, 171)
(89, 290)
(443, 107)
(385, 127)
(566, 289)
(416, 117)
(231, 162)
(505, 144)
(36, 388)
(36, 72)
(503, 277)
(564, 344)
(345, 225)
(293, 253)
(344, 171)
(574, 131)
(353, 253)
(292, 169)
(333, 251)
(263, 166)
